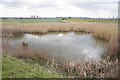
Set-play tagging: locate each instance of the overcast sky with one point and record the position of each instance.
(59, 8)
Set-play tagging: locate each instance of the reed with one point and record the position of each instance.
(106, 68)
(107, 31)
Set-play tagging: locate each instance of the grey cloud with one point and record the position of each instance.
(93, 5)
(29, 4)
(96, 7)
(12, 4)
(87, 5)
(12, 0)
(41, 5)
(119, 9)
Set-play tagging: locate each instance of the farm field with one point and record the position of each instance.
(50, 20)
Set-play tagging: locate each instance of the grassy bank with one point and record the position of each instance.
(13, 67)
(25, 68)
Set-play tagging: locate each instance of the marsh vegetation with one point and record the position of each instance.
(30, 39)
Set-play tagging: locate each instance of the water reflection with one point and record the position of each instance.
(64, 46)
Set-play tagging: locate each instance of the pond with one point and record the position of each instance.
(63, 47)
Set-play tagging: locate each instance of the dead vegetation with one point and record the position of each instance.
(107, 68)
(105, 31)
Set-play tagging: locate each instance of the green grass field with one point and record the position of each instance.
(101, 21)
(19, 68)
(31, 20)
(57, 20)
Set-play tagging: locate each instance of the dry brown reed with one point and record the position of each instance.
(105, 69)
(107, 31)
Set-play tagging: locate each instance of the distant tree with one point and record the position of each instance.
(37, 16)
(21, 18)
(34, 16)
(113, 17)
(69, 17)
(31, 16)
(64, 19)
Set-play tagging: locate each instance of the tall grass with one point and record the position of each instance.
(107, 31)
(105, 69)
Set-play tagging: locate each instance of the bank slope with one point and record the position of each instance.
(13, 67)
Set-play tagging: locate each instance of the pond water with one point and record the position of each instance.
(77, 47)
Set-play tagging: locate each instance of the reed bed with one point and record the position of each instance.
(107, 31)
(106, 68)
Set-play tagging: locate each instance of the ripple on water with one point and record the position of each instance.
(69, 46)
